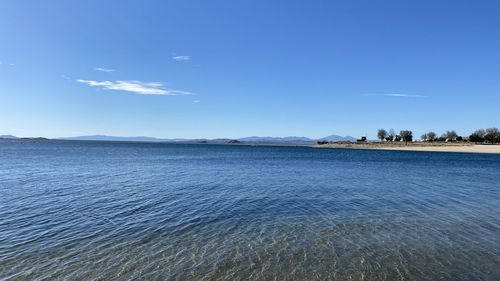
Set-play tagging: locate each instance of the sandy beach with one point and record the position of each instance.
(435, 147)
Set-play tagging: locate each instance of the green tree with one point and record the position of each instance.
(492, 135)
(431, 136)
(451, 135)
(381, 134)
(392, 135)
(406, 135)
(477, 136)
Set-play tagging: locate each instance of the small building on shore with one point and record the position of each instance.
(362, 139)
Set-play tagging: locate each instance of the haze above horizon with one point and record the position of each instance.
(211, 69)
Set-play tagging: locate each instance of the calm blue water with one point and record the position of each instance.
(116, 211)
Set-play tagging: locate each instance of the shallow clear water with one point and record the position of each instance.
(114, 211)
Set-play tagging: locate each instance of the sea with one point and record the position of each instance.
(75, 210)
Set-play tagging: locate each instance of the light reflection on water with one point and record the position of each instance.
(89, 210)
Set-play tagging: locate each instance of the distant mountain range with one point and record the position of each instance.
(296, 139)
(142, 139)
(112, 138)
(275, 139)
(338, 138)
(253, 139)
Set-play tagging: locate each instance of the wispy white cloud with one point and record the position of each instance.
(196, 101)
(108, 70)
(404, 96)
(7, 64)
(181, 58)
(397, 95)
(136, 87)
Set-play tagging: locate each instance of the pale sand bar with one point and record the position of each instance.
(438, 147)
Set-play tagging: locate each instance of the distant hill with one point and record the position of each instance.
(10, 137)
(14, 138)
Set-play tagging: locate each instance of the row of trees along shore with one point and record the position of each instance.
(490, 135)
(404, 135)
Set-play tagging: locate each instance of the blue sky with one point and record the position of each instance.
(240, 68)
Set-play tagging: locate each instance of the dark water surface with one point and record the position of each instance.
(118, 211)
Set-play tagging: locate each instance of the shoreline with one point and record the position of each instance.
(425, 147)
(396, 146)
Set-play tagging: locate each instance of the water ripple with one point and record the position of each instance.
(115, 211)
